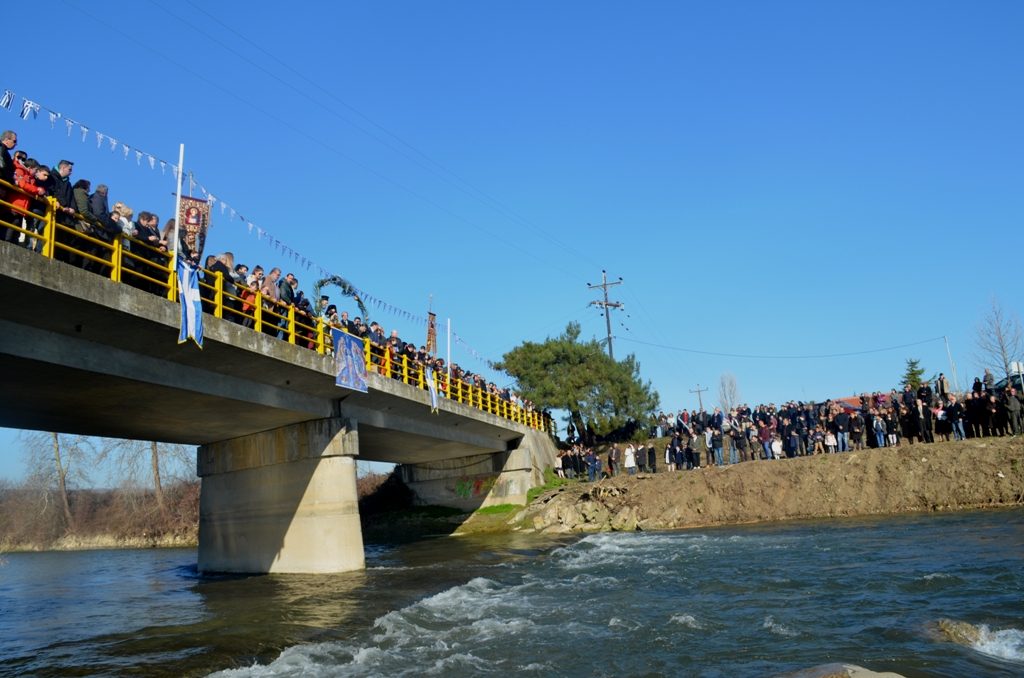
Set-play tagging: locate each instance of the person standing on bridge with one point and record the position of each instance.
(272, 296)
(8, 140)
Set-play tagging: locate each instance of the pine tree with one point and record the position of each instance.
(912, 377)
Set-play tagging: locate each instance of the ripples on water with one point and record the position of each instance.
(752, 601)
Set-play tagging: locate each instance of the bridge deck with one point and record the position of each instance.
(82, 354)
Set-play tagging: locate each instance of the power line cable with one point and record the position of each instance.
(781, 357)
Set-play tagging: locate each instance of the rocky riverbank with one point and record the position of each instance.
(981, 473)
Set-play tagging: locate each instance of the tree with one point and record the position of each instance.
(56, 462)
(564, 373)
(128, 470)
(998, 340)
(728, 392)
(912, 376)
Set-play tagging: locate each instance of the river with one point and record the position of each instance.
(736, 601)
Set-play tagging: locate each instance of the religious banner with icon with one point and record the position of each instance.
(349, 360)
(431, 333)
(193, 222)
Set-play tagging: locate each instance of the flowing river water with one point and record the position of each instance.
(736, 601)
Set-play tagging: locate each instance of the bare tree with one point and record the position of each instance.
(998, 340)
(62, 481)
(127, 463)
(56, 462)
(728, 392)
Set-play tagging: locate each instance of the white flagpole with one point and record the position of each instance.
(177, 209)
(952, 365)
(448, 363)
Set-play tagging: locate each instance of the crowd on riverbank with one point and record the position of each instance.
(697, 438)
(29, 182)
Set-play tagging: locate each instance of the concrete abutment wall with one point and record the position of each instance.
(281, 501)
(482, 480)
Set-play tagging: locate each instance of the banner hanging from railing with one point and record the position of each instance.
(349, 361)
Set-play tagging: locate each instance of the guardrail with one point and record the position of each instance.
(125, 259)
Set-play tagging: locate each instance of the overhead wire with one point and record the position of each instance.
(781, 357)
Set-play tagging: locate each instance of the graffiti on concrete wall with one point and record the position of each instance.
(470, 488)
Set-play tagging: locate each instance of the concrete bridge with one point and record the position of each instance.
(277, 439)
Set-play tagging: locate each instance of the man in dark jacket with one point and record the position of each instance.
(908, 397)
(841, 427)
(8, 140)
(924, 393)
(924, 421)
(857, 430)
(1013, 410)
(955, 416)
(59, 186)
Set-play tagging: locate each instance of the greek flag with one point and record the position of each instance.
(191, 304)
(432, 387)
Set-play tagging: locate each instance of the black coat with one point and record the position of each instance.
(60, 188)
(6, 166)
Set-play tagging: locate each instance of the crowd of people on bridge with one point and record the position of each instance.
(698, 439)
(87, 211)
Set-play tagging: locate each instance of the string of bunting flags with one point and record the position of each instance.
(31, 110)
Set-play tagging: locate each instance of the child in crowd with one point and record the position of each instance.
(879, 427)
(830, 442)
(818, 441)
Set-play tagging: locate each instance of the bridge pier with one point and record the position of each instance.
(281, 501)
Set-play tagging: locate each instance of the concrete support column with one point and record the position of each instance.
(281, 501)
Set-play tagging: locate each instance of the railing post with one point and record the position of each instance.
(257, 311)
(321, 336)
(366, 355)
(49, 228)
(218, 295)
(291, 325)
(117, 259)
(421, 370)
(172, 278)
(405, 369)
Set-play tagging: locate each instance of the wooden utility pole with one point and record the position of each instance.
(698, 392)
(607, 305)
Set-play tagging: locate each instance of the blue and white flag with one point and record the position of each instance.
(432, 387)
(349, 360)
(191, 304)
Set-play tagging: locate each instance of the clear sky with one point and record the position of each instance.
(768, 178)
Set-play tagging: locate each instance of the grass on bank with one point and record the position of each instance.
(551, 481)
(497, 509)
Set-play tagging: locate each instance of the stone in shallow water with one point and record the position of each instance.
(958, 631)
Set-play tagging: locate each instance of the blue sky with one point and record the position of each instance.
(772, 179)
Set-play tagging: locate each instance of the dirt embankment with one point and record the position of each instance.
(937, 477)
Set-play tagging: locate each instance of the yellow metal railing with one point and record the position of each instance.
(128, 260)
